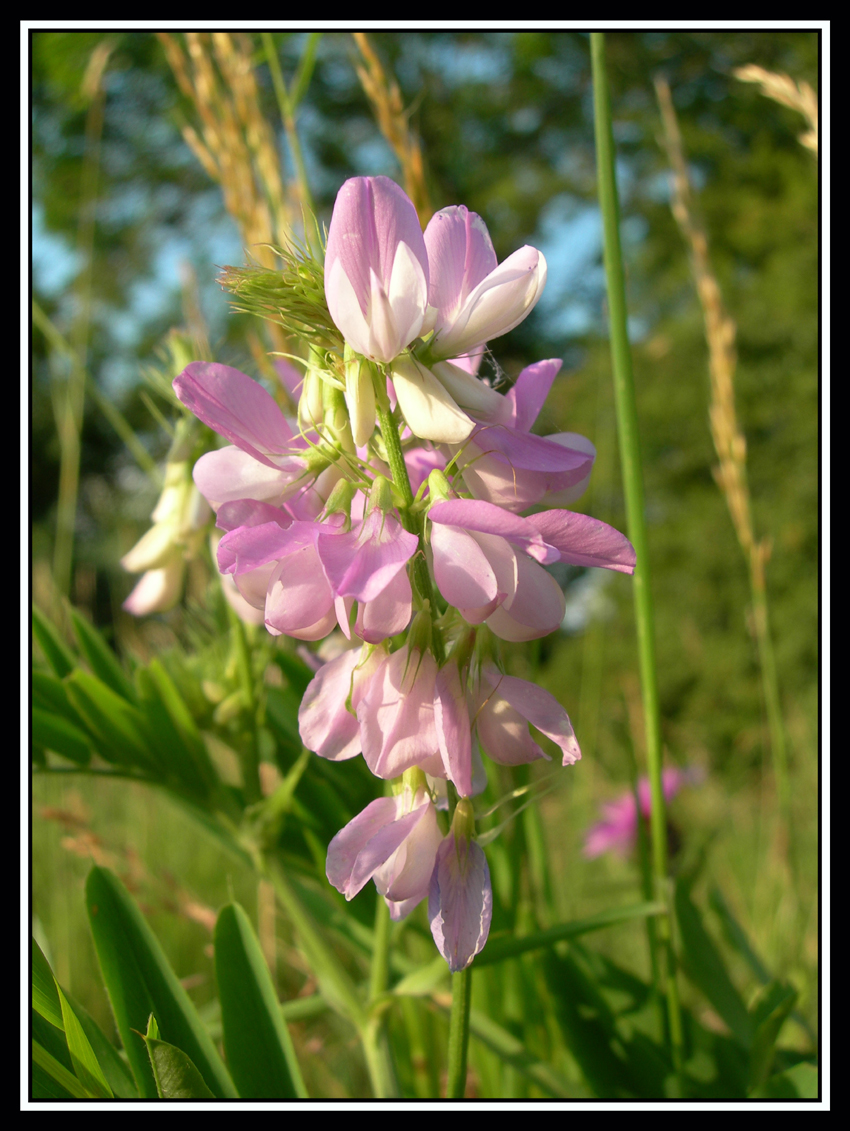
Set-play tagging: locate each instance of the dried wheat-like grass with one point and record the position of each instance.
(232, 139)
(729, 441)
(393, 121)
(783, 89)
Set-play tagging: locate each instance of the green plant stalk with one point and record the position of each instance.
(627, 427)
(249, 753)
(459, 1034)
(69, 399)
(401, 480)
(287, 114)
(770, 689)
(334, 981)
(112, 414)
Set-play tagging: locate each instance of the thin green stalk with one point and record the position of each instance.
(398, 470)
(627, 427)
(376, 1043)
(287, 113)
(112, 414)
(250, 754)
(69, 397)
(459, 1034)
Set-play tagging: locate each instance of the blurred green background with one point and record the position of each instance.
(505, 122)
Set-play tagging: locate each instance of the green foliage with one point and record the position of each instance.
(256, 1040)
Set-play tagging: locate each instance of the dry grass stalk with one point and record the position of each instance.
(783, 89)
(232, 140)
(393, 121)
(729, 442)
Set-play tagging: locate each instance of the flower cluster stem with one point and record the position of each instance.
(459, 1033)
(627, 426)
(401, 480)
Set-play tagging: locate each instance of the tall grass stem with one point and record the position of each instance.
(627, 428)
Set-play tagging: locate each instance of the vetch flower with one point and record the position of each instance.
(506, 706)
(460, 897)
(618, 830)
(376, 268)
(160, 554)
(327, 719)
(396, 714)
(393, 841)
(473, 297)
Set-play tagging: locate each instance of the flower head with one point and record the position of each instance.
(618, 831)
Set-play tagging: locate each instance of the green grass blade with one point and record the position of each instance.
(259, 1049)
(52, 732)
(118, 1075)
(705, 968)
(116, 724)
(48, 693)
(769, 1014)
(57, 654)
(498, 949)
(140, 981)
(797, 1083)
(56, 1072)
(86, 1066)
(45, 999)
(183, 723)
(102, 660)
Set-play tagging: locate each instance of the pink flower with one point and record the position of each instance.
(503, 462)
(506, 705)
(460, 896)
(473, 297)
(376, 268)
(393, 841)
(396, 714)
(314, 571)
(619, 829)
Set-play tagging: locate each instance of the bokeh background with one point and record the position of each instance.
(128, 245)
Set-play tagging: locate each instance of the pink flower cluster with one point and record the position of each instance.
(318, 537)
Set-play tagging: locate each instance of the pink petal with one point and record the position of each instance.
(396, 715)
(324, 723)
(454, 733)
(363, 562)
(536, 609)
(531, 389)
(236, 407)
(460, 902)
(250, 512)
(389, 612)
(460, 255)
(539, 708)
(299, 596)
(461, 569)
(474, 514)
(230, 473)
(406, 874)
(349, 842)
(503, 733)
(585, 541)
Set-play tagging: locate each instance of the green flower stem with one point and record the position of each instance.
(459, 1034)
(627, 426)
(411, 523)
(380, 968)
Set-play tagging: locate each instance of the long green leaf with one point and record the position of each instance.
(58, 655)
(184, 724)
(797, 1083)
(57, 1072)
(257, 1043)
(117, 725)
(52, 732)
(118, 1075)
(45, 998)
(102, 660)
(769, 1015)
(86, 1066)
(48, 693)
(164, 738)
(498, 949)
(705, 968)
(140, 981)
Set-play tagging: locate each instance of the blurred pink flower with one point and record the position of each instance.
(619, 829)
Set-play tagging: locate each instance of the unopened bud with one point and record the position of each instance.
(438, 487)
(381, 495)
